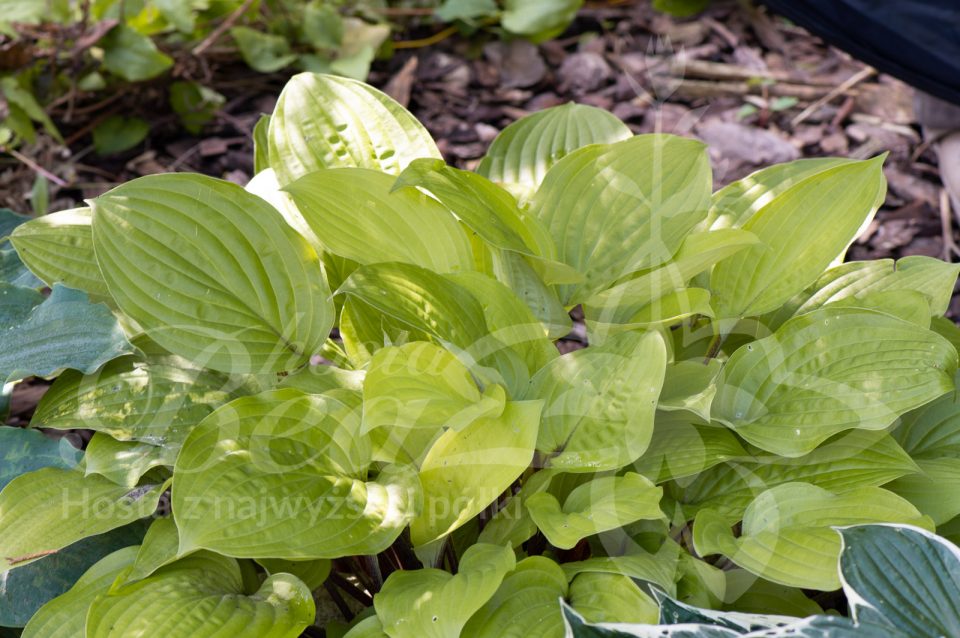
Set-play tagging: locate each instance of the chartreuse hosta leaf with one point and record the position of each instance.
(65, 616)
(427, 603)
(420, 385)
(689, 388)
(44, 511)
(512, 522)
(858, 458)
(467, 469)
(284, 474)
(325, 121)
(746, 592)
(212, 273)
(599, 403)
(155, 400)
(835, 201)
(202, 596)
(614, 209)
(603, 597)
(521, 155)
(125, 462)
(659, 568)
(902, 576)
(597, 506)
(786, 534)
(160, 547)
(517, 273)
(58, 248)
(931, 436)
(63, 331)
(354, 214)
(680, 447)
(525, 606)
(828, 371)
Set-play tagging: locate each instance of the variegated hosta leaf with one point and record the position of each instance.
(66, 615)
(600, 505)
(786, 534)
(614, 209)
(125, 462)
(202, 596)
(902, 576)
(852, 281)
(420, 385)
(326, 121)
(431, 603)
(44, 511)
(520, 156)
(836, 201)
(525, 606)
(354, 214)
(681, 448)
(931, 436)
(858, 458)
(283, 474)
(157, 400)
(828, 371)
(674, 612)
(212, 273)
(467, 469)
(576, 626)
(599, 403)
(58, 248)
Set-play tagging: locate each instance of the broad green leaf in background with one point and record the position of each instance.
(614, 209)
(263, 52)
(430, 603)
(195, 104)
(520, 156)
(681, 447)
(65, 616)
(212, 273)
(597, 506)
(44, 511)
(283, 474)
(526, 604)
(132, 55)
(828, 371)
(467, 10)
(125, 462)
(64, 331)
(58, 248)
(681, 8)
(117, 133)
(19, 97)
(603, 597)
(902, 576)
(156, 401)
(354, 214)
(801, 230)
(324, 121)
(599, 403)
(787, 537)
(858, 458)
(539, 19)
(203, 596)
(466, 470)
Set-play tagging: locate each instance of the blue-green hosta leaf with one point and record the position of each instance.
(734, 204)
(125, 462)
(44, 511)
(9, 220)
(202, 596)
(521, 155)
(23, 451)
(354, 214)
(786, 534)
(431, 603)
(212, 273)
(467, 469)
(600, 505)
(64, 331)
(13, 272)
(283, 474)
(58, 248)
(902, 576)
(65, 616)
(614, 209)
(828, 371)
(16, 303)
(526, 604)
(420, 385)
(157, 400)
(324, 121)
(600, 403)
(576, 626)
(674, 612)
(858, 458)
(681, 448)
(835, 201)
(932, 278)
(604, 597)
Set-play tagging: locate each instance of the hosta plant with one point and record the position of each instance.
(356, 386)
